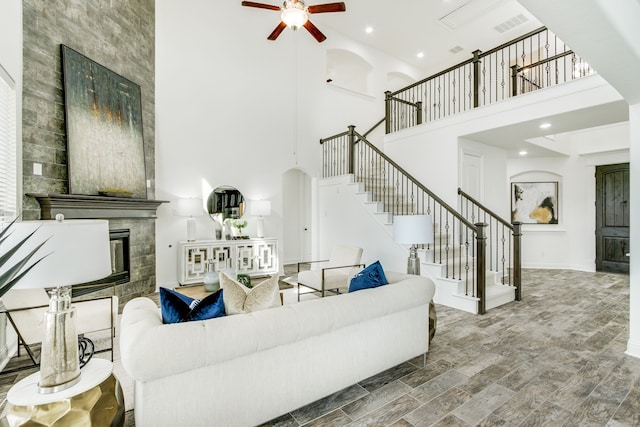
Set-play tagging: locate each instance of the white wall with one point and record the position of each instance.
(11, 37)
(233, 108)
(494, 171)
(11, 61)
(570, 243)
(343, 219)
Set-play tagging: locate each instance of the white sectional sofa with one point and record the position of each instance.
(246, 369)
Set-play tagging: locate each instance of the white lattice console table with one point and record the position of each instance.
(255, 257)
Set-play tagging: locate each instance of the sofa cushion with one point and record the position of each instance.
(371, 277)
(177, 307)
(240, 299)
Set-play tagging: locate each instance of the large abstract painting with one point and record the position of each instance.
(534, 202)
(105, 145)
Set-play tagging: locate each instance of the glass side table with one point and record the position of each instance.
(96, 400)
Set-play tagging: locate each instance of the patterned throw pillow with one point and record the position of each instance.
(371, 277)
(240, 299)
(176, 307)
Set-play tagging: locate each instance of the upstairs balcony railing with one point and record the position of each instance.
(533, 61)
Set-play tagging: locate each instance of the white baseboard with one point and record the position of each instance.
(550, 266)
(633, 348)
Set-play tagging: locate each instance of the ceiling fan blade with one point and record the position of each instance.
(315, 32)
(328, 7)
(276, 32)
(260, 5)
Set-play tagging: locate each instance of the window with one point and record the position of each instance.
(7, 148)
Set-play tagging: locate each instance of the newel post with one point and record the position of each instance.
(517, 260)
(476, 78)
(387, 112)
(481, 267)
(419, 113)
(352, 149)
(514, 80)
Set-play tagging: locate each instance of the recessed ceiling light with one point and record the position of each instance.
(523, 152)
(420, 55)
(368, 30)
(545, 125)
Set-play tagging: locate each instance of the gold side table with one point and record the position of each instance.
(96, 400)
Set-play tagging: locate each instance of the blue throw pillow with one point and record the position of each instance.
(177, 307)
(371, 277)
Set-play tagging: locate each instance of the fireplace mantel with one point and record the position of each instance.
(92, 207)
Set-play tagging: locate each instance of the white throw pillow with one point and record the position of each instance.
(240, 299)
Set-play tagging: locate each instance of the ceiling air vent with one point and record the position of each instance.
(469, 11)
(456, 49)
(511, 23)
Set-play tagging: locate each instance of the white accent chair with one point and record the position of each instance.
(25, 310)
(334, 276)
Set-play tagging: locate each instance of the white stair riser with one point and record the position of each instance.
(449, 292)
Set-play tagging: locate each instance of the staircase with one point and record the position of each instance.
(475, 259)
(471, 263)
(453, 281)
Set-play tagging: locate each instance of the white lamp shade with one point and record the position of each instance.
(260, 207)
(189, 207)
(412, 229)
(77, 251)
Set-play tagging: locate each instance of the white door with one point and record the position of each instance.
(296, 216)
(471, 179)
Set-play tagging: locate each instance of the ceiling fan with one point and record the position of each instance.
(295, 14)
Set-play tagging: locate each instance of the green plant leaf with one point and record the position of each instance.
(7, 255)
(6, 230)
(5, 287)
(9, 275)
(17, 271)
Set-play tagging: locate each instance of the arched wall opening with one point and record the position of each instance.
(349, 71)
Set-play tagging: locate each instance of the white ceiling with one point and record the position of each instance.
(528, 135)
(403, 28)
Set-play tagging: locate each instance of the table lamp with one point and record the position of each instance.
(190, 207)
(75, 252)
(413, 230)
(260, 208)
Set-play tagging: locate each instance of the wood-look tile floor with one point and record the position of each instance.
(556, 358)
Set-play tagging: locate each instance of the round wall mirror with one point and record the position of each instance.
(226, 201)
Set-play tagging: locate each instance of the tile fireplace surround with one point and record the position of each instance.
(136, 215)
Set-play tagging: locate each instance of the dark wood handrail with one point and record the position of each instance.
(338, 135)
(382, 120)
(402, 101)
(487, 210)
(418, 184)
(462, 64)
(374, 127)
(470, 60)
(544, 61)
(514, 41)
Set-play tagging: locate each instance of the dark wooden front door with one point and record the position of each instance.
(612, 218)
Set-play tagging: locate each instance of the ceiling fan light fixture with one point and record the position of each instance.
(294, 17)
